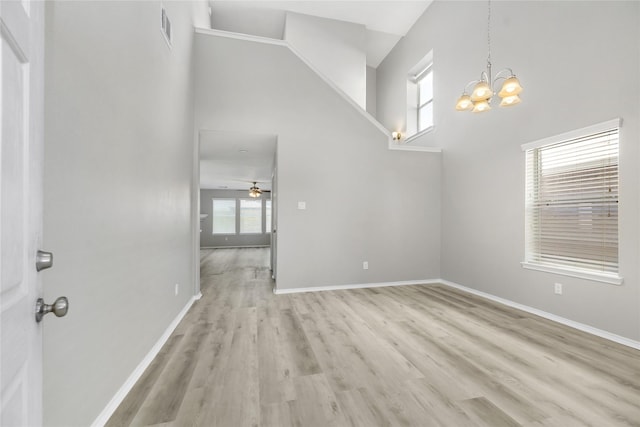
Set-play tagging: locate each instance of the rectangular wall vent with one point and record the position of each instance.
(166, 26)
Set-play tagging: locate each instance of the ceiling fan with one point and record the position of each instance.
(255, 191)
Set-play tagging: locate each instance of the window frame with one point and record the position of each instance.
(533, 148)
(418, 72)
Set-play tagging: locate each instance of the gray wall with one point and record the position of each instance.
(364, 202)
(335, 48)
(579, 65)
(210, 240)
(118, 169)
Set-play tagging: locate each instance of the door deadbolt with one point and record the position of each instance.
(59, 307)
(44, 260)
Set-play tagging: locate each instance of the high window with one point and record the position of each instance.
(420, 96)
(224, 216)
(571, 211)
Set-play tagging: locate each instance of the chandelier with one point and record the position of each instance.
(255, 191)
(484, 89)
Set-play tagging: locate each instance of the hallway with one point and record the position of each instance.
(398, 356)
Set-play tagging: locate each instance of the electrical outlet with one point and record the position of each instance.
(558, 288)
(365, 265)
(177, 288)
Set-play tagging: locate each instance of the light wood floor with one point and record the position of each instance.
(401, 356)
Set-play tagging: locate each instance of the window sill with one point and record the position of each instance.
(415, 136)
(613, 279)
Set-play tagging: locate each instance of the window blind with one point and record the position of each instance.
(571, 213)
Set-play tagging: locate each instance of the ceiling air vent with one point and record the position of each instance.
(166, 26)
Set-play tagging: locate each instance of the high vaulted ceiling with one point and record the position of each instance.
(386, 21)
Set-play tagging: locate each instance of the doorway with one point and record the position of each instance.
(227, 164)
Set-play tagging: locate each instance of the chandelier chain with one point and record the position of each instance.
(489, 32)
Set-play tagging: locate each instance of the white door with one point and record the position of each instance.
(274, 223)
(21, 168)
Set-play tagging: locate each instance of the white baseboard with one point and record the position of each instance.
(355, 286)
(111, 407)
(564, 321)
(235, 247)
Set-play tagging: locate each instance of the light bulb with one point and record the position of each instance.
(481, 106)
(481, 91)
(510, 87)
(509, 101)
(464, 103)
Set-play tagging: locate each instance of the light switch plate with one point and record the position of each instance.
(302, 205)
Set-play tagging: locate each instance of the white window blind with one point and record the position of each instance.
(250, 216)
(224, 216)
(572, 201)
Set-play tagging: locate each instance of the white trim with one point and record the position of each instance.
(400, 147)
(355, 286)
(117, 399)
(567, 322)
(577, 133)
(417, 135)
(240, 36)
(234, 247)
(613, 279)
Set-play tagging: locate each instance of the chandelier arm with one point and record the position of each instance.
(504, 76)
(472, 82)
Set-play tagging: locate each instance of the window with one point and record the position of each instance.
(420, 96)
(267, 220)
(571, 211)
(425, 99)
(224, 216)
(250, 216)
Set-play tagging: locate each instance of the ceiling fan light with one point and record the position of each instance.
(509, 101)
(254, 191)
(481, 106)
(464, 103)
(510, 87)
(481, 92)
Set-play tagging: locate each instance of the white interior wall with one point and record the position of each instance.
(246, 18)
(579, 65)
(363, 202)
(118, 171)
(335, 48)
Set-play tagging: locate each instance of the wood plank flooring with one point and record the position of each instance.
(398, 356)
